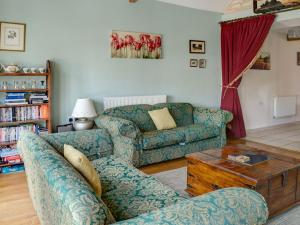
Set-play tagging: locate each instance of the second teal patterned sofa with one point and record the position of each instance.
(136, 139)
(61, 196)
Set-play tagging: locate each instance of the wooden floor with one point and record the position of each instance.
(15, 204)
(16, 207)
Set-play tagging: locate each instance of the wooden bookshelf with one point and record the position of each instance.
(47, 122)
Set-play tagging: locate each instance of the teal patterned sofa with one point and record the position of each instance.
(136, 139)
(61, 196)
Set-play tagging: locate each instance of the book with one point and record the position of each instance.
(9, 153)
(249, 158)
(22, 113)
(15, 94)
(15, 100)
(44, 111)
(38, 98)
(10, 158)
(12, 169)
(11, 134)
(14, 97)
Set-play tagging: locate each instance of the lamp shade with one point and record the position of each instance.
(84, 108)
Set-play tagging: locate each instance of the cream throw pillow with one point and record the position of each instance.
(162, 119)
(81, 163)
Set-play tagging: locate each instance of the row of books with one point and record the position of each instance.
(20, 113)
(20, 98)
(10, 155)
(37, 98)
(11, 134)
(10, 160)
(16, 98)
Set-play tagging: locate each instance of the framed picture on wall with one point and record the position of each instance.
(193, 62)
(202, 63)
(197, 47)
(267, 6)
(298, 58)
(12, 36)
(263, 62)
(136, 45)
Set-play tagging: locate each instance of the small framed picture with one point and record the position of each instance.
(197, 47)
(298, 58)
(12, 36)
(202, 63)
(193, 62)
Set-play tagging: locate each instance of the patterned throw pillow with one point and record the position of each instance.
(81, 163)
(162, 119)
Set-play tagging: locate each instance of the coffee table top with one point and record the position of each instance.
(275, 164)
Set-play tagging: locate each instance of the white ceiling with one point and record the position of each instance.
(210, 5)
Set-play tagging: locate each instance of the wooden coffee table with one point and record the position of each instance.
(277, 178)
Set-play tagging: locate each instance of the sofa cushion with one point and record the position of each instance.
(162, 138)
(198, 132)
(131, 192)
(162, 119)
(135, 113)
(181, 112)
(143, 196)
(81, 163)
(112, 172)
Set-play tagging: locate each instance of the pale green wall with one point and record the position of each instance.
(75, 35)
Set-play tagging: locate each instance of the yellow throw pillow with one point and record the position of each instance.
(162, 119)
(81, 163)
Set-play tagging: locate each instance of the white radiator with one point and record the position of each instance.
(110, 102)
(285, 106)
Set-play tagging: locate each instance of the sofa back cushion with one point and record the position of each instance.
(94, 144)
(135, 113)
(181, 112)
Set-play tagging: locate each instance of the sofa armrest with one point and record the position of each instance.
(125, 135)
(94, 144)
(211, 116)
(232, 206)
(118, 126)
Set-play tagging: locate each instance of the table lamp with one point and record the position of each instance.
(83, 113)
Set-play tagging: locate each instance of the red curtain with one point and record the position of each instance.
(241, 41)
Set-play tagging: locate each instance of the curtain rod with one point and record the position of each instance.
(243, 18)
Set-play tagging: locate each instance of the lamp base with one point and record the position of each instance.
(83, 124)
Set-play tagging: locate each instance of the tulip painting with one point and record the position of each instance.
(136, 45)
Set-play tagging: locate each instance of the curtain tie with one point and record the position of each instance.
(226, 89)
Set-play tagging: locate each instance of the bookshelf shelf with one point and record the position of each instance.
(4, 124)
(26, 90)
(7, 143)
(22, 105)
(11, 164)
(25, 74)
